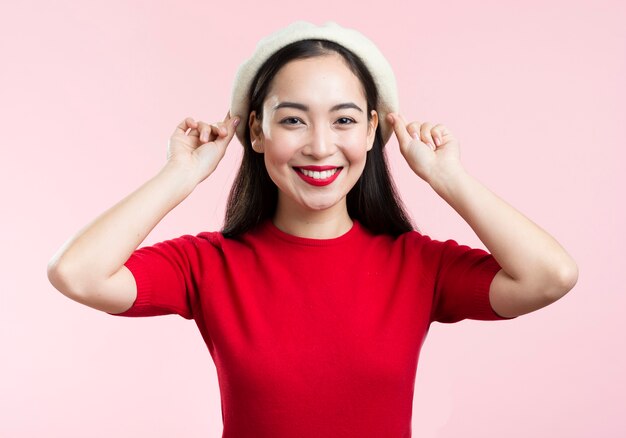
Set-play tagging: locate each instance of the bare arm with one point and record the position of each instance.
(98, 251)
(536, 270)
(89, 267)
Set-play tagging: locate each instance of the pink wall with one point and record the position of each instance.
(91, 92)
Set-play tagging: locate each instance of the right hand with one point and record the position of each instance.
(201, 149)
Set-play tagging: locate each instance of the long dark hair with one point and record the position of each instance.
(373, 200)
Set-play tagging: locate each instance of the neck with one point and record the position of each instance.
(314, 224)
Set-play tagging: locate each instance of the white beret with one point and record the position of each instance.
(301, 30)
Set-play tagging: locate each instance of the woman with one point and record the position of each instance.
(317, 295)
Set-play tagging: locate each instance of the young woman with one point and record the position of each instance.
(316, 297)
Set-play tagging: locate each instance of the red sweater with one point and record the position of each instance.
(314, 337)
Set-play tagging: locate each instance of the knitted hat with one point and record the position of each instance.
(351, 39)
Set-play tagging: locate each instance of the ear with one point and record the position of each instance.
(371, 130)
(256, 133)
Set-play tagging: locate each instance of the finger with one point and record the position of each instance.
(231, 127)
(211, 132)
(413, 129)
(399, 128)
(183, 126)
(204, 130)
(438, 132)
(223, 126)
(426, 135)
(218, 130)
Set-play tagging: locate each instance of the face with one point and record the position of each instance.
(314, 133)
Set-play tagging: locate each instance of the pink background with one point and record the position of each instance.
(91, 91)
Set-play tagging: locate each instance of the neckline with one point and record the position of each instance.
(309, 241)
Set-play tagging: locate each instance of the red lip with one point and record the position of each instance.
(317, 168)
(318, 182)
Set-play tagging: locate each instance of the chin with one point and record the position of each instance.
(320, 205)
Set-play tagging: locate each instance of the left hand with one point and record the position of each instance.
(431, 151)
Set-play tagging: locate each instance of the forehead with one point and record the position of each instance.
(320, 78)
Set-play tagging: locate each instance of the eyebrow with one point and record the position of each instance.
(303, 107)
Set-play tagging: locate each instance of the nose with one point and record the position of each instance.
(320, 143)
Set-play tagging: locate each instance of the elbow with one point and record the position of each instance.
(58, 278)
(53, 272)
(563, 279)
(54, 276)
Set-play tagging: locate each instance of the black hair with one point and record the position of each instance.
(373, 200)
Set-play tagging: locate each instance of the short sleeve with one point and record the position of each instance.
(164, 273)
(462, 281)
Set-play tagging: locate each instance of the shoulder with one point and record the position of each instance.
(199, 240)
(202, 244)
(416, 247)
(216, 240)
(412, 239)
(409, 244)
(427, 243)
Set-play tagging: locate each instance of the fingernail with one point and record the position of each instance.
(236, 122)
(205, 136)
(415, 135)
(437, 141)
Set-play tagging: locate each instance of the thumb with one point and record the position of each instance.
(399, 128)
(231, 127)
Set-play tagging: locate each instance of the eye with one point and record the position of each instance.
(346, 121)
(290, 121)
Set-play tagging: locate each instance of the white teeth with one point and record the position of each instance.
(320, 175)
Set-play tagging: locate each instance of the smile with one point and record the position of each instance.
(321, 177)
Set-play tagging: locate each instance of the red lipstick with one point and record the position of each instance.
(317, 168)
(318, 181)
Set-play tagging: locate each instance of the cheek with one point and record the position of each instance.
(277, 158)
(275, 170)
(280, 146)
(355, 146)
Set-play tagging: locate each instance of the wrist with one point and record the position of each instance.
(445, 182)
(180, 177)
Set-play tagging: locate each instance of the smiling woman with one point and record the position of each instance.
(317, 295)
(317, 132)
(320, 98)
